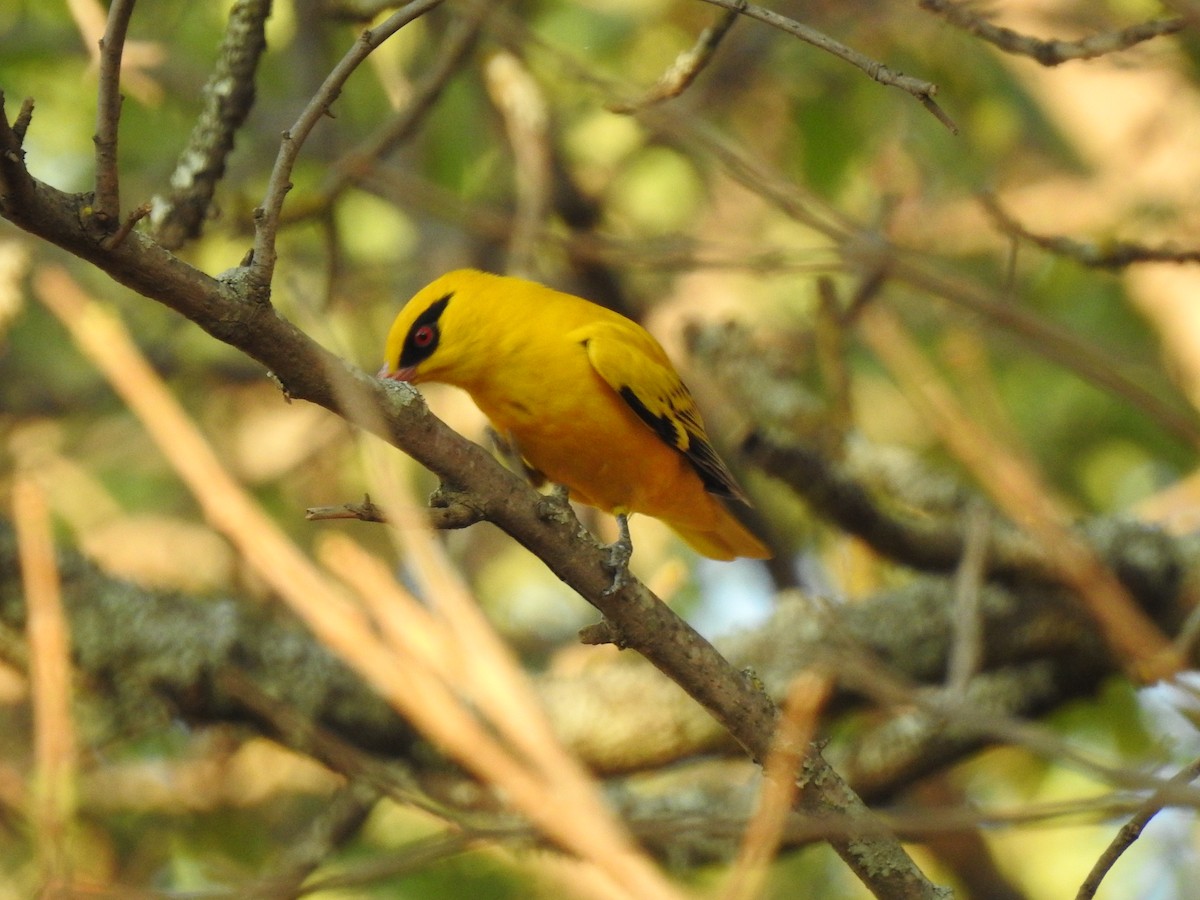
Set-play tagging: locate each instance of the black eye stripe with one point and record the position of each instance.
(422, 338)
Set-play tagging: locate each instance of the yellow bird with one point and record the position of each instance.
(586, 396)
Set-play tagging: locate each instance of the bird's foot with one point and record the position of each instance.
(619, 552)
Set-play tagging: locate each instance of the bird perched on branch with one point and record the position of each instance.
(586, 396)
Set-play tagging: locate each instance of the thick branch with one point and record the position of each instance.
(228, 99)
(1143, 556)
(154, 656)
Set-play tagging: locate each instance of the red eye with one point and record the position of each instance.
(423, 336)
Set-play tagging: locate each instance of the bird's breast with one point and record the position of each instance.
(570, 425)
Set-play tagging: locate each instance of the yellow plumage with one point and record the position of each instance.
(585, 395)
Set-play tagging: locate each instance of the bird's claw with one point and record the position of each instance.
(618, 554)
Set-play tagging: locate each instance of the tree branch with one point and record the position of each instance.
(108, 114)
(1132, 830)
(1049, 52)
(866, 251)
(922, 90)
(687, 65)
(395, 412)
(16, 185)
(228, 99)
(355, 165)
(153, 657)
(266, 217)
(1112, 255)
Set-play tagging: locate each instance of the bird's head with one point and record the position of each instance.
(433, 338)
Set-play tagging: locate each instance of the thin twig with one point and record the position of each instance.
(108, 112)
(16, 185)
(446, 512)
(115, 239)
(687, 65)
(266, 217)
(1049, 52)
(966, 649)
(20, 124)
(1112, 255)
(411, 858)
(922, 90)
(339, 821)
(1132, 830)
(355, 166)
(367, 511)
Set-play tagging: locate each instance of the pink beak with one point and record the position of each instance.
(404, 374)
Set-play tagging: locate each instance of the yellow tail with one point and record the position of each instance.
(729, 540)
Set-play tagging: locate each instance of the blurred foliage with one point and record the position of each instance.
(445, 198)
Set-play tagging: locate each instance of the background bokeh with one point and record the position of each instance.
(521, 164)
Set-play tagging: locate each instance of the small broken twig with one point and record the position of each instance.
(687, 65)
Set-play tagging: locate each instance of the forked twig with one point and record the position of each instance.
(1132, 829)
(266, 217)
(922, 90)
(1050, 52)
